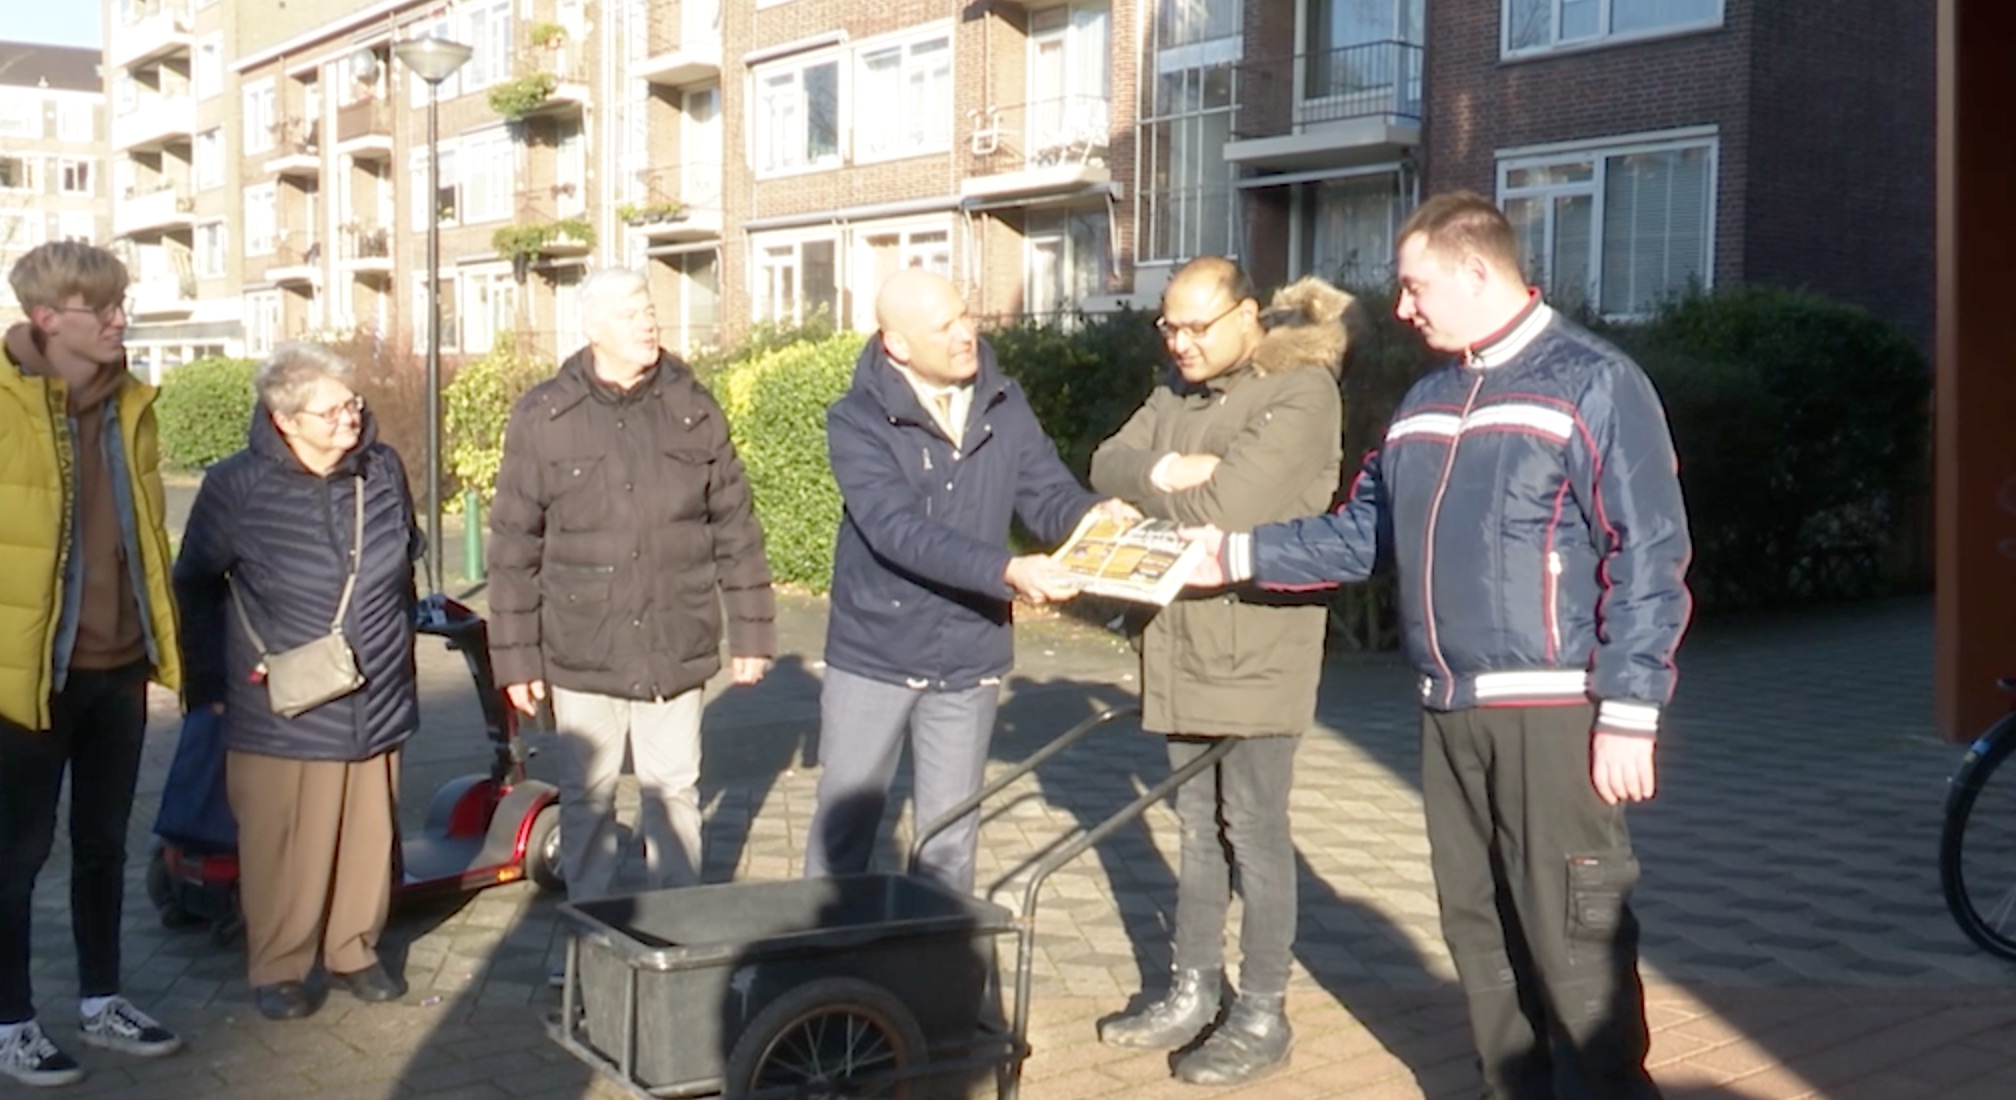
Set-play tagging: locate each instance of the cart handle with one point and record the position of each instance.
(1036, 760)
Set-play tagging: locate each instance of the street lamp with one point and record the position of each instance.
(433, 60)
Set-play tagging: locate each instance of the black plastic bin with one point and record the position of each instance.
(677, 975)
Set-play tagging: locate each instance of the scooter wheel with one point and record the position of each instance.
(542, 851)
(161, 891)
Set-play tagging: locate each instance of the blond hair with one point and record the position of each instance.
(50, 274)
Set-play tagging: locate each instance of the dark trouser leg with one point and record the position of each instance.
(1254, 780)
(105, 712)
(861, 727)
(1204, 871)
(31, 782)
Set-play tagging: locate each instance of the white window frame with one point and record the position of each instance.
(207, 155)
(1603, 36)
(1054, 227)
(1599, 154)
(764, 250)
(260, 100)
(910, 129)
(206, 68)
(76, 120)
(213, 246)
(772, 80)
(417, 179)
(486, 165)
(263, 318)
(261, 216)
(74, 176)
(27, 177)
(20, 115)
(486, 306)
(925, 243)
(487, 28)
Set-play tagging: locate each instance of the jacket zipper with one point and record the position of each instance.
(1428, 547)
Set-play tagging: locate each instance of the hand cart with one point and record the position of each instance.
(853, 986)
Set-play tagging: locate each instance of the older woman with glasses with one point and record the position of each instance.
(305, 533)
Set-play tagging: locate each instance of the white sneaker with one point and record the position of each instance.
(32, 1059)
(120, 1026)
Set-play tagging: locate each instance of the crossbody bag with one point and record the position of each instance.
(302, 678)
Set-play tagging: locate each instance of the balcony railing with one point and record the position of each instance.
(676, 202)
(366, 242)
(689, 29)
(1285, 94)
(163, 294)
(156, 207)
(155, 120)
(366, 118)
(1063, 131)
(152, 29)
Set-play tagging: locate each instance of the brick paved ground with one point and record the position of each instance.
(1795, 944)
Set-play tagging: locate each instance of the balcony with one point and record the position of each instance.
(162, 296)
(364, 130)
(366, 249)
(681, 203)
(155, 121)
(1049, 147)
(680, 43)
(152, 30)
(158, 209)
(296, 151)
(544, 91)
(296, 258)
(1358, 104)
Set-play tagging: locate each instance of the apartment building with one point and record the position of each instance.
(52, 160)
(774, 160)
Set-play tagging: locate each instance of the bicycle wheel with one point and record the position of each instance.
(834, 1037)
(1977, 844)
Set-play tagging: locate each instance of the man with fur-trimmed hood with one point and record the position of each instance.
(1247, 430)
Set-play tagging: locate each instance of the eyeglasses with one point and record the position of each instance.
(334, 413)
(1195, 330)
(104, 314)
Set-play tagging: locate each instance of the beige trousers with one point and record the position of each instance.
(314, 859)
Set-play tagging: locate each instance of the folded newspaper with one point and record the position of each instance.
(1145, 560)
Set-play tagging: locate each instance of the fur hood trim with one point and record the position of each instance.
(1305, 328)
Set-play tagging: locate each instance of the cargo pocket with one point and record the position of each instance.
(1599, 883)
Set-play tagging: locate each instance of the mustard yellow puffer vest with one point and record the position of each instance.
(36, 482)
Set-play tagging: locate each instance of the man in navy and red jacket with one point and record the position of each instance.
(1528, 497)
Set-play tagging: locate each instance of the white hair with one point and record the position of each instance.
(610, 284)
(290, 372)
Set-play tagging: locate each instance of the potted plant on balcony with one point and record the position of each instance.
(650, 213)
(514, 99)
(527, 241)
(546, 36)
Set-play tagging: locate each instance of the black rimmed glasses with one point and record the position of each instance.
(1195, 330)
(104, 314)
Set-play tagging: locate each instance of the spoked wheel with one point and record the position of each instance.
(1977, 845)
(835, 1037)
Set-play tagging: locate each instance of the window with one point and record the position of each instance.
(211, 241)
(262, 321)
(696, 320)
(796, 281)
(76, 120)
(206, 76)
(17, 173)
(487, 30)
(259, 117)
(447, 199)
(77, 225)
(209, 159)
(903, 99)
(1070, 67)
(21, 230)
(450, 88)
(798, 117)
(73, 176)
(1186, 200)
(1350, 227)
(450, 331)
(20, 116)
(881, 253)
(1067, 259)
(262, 219)
(489, 308)
(485, 165)
(1620, 229)
(1532, 25)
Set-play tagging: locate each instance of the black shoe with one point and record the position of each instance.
(1253, 1042)
(372, 985)
(1187, 1009)
(284, 1001)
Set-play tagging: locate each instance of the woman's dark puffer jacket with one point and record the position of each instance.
(283, 535)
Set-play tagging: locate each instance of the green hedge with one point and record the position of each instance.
(776, 405)
(203, 411)
(1083, 380)
(476, 404)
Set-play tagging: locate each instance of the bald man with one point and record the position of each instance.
(935, 452)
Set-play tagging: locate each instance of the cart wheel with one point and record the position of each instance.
(827, 1033)
(161, 891)
(542, 851)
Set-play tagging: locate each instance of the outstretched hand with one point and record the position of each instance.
(1210, 572)
(1037, 579)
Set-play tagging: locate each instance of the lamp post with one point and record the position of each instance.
(433, 60)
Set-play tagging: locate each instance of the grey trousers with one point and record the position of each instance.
(1235, 818)
(861, 728)
(663, 737)
(1534, 875)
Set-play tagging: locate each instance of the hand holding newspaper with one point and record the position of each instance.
(1143, 560)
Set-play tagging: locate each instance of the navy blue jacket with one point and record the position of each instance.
(918, 591)
(1530, 499)
(283, 535)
